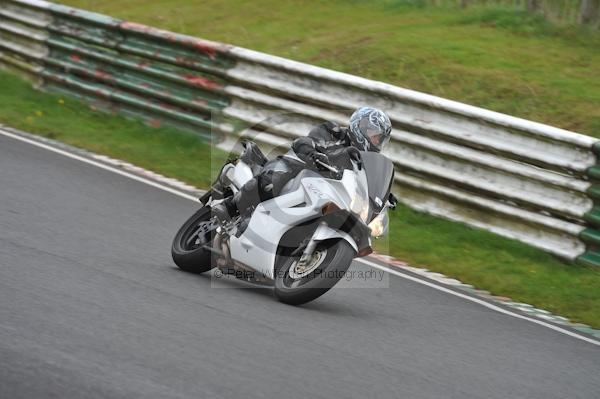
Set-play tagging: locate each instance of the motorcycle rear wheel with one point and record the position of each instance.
(297, 286)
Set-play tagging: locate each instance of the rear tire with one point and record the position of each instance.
(187, 248)
(292, 289)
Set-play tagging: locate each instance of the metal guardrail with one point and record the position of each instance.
(517, 178)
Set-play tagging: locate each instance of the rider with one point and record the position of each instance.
(369, 130)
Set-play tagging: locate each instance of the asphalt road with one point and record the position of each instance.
(91, 305)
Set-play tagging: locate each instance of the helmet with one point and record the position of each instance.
(370, 129)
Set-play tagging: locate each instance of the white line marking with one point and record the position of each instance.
(476, 300)
(364, 261)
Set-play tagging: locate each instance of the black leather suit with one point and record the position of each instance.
(328, 138)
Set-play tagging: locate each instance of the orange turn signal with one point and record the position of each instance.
(329, 207)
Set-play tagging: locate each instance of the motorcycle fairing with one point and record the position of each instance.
(257, 246)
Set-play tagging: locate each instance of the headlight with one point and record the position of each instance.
(379, 225)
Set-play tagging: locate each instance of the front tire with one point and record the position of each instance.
(187, 248)
(296, 286)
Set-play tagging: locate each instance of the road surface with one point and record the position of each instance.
(92, 306)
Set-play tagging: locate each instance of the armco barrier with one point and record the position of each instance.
(514, 177)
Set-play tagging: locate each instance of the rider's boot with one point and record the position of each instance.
(225, 210)
(245, 200)
(241, 202)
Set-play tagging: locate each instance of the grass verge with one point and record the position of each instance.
(504, 267)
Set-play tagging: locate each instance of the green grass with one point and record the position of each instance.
(497, 58)
(163, 150)
(502, 266)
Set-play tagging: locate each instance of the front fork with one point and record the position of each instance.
(312, 244)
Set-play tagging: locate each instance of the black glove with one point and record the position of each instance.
(354, 154)
(321, 158)
(339, 133)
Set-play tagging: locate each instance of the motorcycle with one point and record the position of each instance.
(302, 241)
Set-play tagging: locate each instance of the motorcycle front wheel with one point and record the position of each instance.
(297, 284)
(188, 245)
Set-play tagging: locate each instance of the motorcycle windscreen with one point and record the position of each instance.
(380, 175)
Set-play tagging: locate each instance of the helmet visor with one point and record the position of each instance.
(374, 134)
(379, 140)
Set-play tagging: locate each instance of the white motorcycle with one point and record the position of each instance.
(302, 241)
